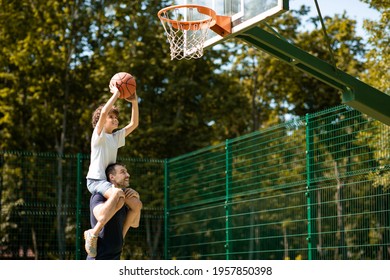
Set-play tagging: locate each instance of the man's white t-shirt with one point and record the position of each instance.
(104, 149)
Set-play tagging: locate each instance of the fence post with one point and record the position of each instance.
(166, 209)
(309, 186)
(228, 174)
(78, 204)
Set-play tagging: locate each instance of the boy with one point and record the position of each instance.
(104, 148)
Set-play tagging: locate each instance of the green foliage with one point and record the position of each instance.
(57, 73)
(275, 89)
(378, 75)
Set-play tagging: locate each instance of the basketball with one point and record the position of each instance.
(126, 84)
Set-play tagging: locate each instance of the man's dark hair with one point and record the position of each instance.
(111, 169)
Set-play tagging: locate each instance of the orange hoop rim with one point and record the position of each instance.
(201, 9)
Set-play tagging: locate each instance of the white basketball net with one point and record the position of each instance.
(186, 30)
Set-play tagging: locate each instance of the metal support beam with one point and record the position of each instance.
(355, 93)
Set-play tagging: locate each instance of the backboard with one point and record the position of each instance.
(244, 14)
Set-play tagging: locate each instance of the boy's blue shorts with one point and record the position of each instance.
(98, 186)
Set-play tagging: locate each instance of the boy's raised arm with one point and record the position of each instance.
(133, 124)
(106, 108)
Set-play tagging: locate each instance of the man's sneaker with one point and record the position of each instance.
(90, 243)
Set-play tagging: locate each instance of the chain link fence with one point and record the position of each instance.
(316, 187)
(45, 206)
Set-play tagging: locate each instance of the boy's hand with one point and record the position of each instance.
(131, 193)
(114, 90)
(133, 98)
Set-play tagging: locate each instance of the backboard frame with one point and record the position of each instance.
(244, 14)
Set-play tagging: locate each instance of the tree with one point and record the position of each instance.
(39, 79)
(378, 75)
(57, 73)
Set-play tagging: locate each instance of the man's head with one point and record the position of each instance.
(117, 174)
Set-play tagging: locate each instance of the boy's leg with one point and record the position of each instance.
(115, 200)
(133, 215)
(135, 206)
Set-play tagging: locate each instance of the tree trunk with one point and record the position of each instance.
(60, 151)
(251, 235)
(285, 242)
(60, 218)
(340, 220)
(319, 224)
(34, 243)
(153, 241)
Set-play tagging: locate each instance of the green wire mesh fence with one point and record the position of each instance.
(45, 206)
(316, 187)
(312, 188)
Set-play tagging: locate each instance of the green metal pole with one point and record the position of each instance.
(228, 174)
(309, 178)
(166, 209)
(78, 204)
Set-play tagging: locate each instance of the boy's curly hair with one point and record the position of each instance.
(96, 114)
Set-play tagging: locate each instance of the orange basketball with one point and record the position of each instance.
(126, 84)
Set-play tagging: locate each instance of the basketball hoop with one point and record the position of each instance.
(187, 26)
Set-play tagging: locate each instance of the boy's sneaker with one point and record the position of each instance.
(90, 243)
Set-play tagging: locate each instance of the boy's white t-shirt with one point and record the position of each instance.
(104, 149)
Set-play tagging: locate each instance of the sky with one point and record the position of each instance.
(355, 9)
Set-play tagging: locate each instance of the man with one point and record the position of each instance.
(127, 214)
